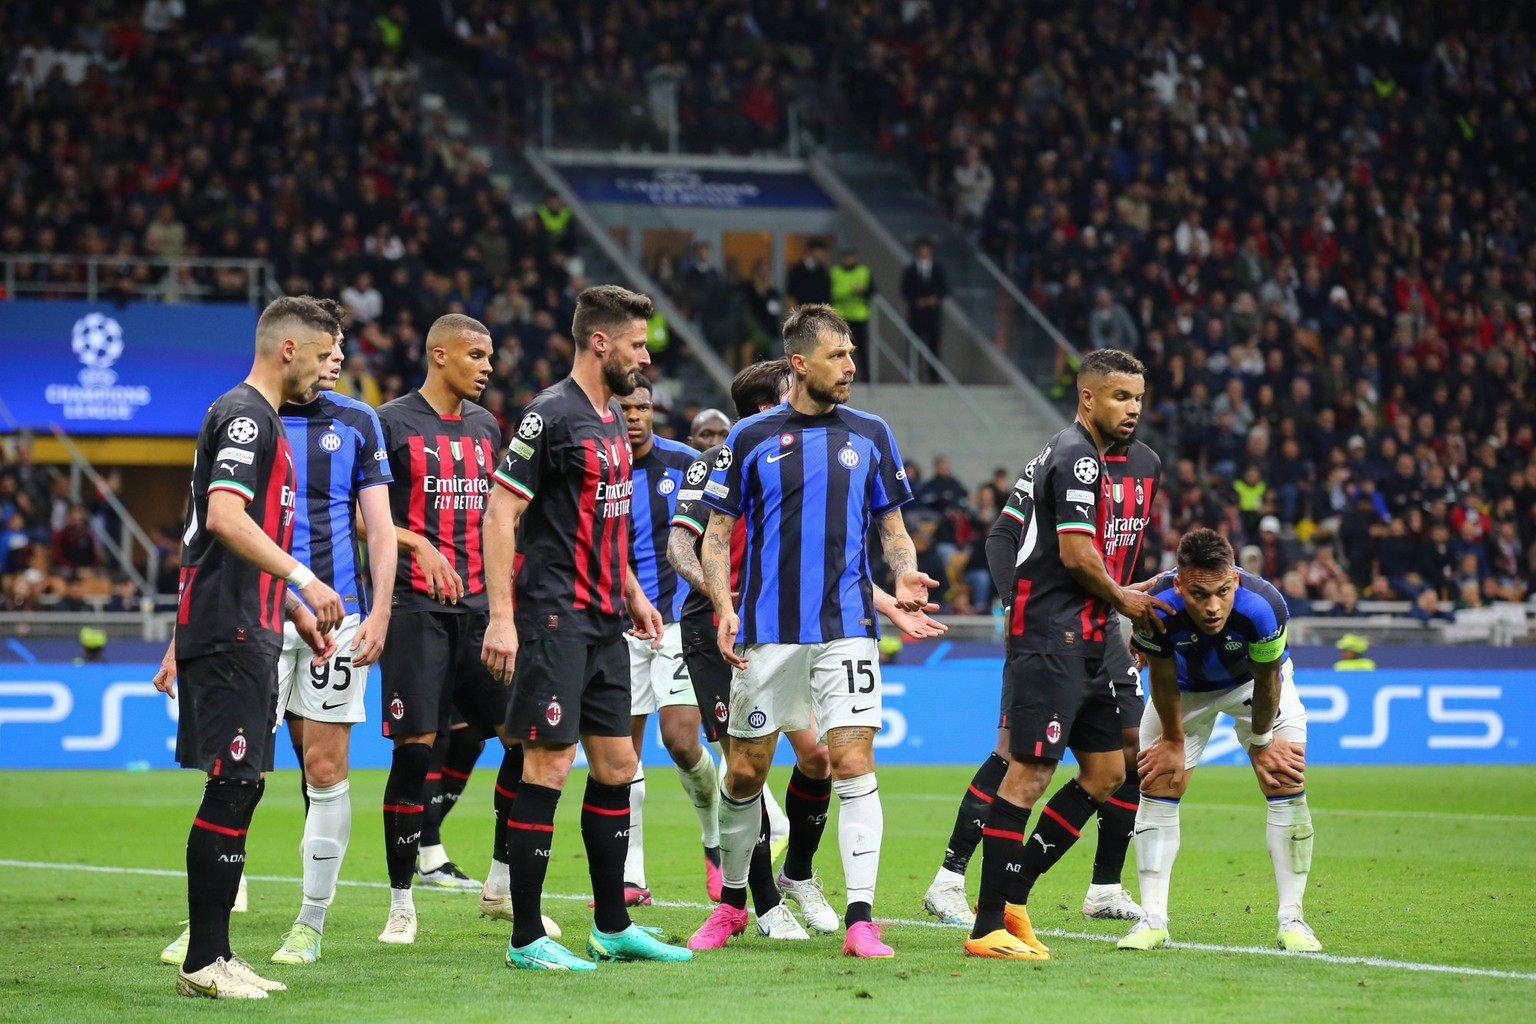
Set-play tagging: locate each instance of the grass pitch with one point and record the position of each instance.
(1417, 892)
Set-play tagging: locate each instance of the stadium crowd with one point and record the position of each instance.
(1313, 223)
(1310, 223)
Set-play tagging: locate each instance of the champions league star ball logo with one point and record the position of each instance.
(531, 427)
(696, 473)
(1086, 469)
(98, 343)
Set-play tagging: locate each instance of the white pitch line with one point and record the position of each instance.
(1327, 958)
(1258, 805)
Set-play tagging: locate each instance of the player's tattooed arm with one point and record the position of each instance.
(1266, 695)
(684, 558)
(1280, 765)
(715, 561)
(909, 587)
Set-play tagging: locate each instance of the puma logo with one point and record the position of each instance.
(1045, 847)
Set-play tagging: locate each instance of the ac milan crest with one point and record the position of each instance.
(237, 748)
(1053, 733)
(397, 709)
(554, 713)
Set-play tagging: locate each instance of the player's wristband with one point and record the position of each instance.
(301, 577)
(1260, 740)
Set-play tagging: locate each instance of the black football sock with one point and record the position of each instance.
(1002, 840)
(215, 859)
(507, 779)
(458, 764)
(605, 831)
(805, 805)
(298, 752)
(403, 812)
(765, 894)
(1061, 821)
(1117, 820)
(530, 834)
(973, 813)
(431, 795)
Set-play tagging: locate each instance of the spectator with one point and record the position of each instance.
(363, 300)
(852, 287)
(808, 281)
(973, 187)
(74, 545)
(924, 286)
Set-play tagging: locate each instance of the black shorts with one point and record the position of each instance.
(227, 705)
(1053, 702)
(431, 668)
(1121, 669)
(562, 691)
(711, 679)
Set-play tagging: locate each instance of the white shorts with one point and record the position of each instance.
(794, 686)
(1200, 711)
(332, 692)
(659, 678)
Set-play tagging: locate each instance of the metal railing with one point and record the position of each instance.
(598, 116)
(148, 625)
(160, 279)
(121, 548)
(918, 354)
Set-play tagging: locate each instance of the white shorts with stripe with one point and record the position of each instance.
(793, 686)
(1199, 711)
(659, 678)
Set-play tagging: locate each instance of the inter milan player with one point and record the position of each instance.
(658, 675)
(560, 516)
(1224, 652)
(757, 388)
(234, 592)
(442, 449)
(1055, 686)
(342, 468)
(808, 477)
(1128, 486)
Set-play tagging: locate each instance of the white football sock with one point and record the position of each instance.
(498, 882)
(1289, 836)
(1157, 845)
(860, 826)
(947, 878)
(702, 786)
(430, 858)
(778, 821)
(634, 860)
(740, 821)
(401, 900)
(327, 827)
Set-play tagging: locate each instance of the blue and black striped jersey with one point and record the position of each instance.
(809, 488)
(1254, 633)
(338, 450)
(658, 477)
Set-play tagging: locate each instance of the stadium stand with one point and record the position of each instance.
(1312, 223)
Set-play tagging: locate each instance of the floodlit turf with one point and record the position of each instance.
(1420, 866)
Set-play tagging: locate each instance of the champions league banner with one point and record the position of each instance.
(109, 716)
(140, 369)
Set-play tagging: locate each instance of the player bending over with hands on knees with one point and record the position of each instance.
(1223, 651)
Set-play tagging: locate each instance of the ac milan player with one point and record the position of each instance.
(1054, 684)
(234, 592)
(1129, 484)
(562, 509)
(442, 451)
(756, 389)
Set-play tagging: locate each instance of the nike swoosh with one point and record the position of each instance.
(862, 853)
(332, 707)
(674, 693)
(860, 711)
(315, 857)
(207, 990)
(780, 455)
(1139, 831)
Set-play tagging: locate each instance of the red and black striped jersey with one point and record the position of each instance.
(442, 468)
(225, 601)
(573, 465)
(1060, 491)
(1131, 476)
